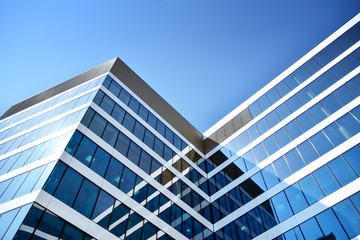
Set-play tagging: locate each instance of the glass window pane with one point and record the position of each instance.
(100, 161)
(122, 144)
(134, 105)
(269, 176)
(310, 189)
(139, 130)
(124, 96)
(110, 134)
(296, 198)
(68, 187)
(330, 225)
(307, 151)
(134, 153)
(281, 206)
(86, 198)
(127, 180)
(85, 151)
(129, 122)
(294, 160)
(352, 158)
(73, 143)
(103, 208)
(326, 180)
(50, 224)
(348, 217)
(342, 171)
(118, 113)
(311, 229)
(107, 104)
(321, 143)
(54, 178)
(282, 169)
(97, 125)
(114, 171)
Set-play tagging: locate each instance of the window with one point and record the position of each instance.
(86, 198)
(68, 187)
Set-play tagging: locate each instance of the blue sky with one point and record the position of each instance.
(205, 57)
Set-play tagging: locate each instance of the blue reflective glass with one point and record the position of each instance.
(129, 122)
(100, 161)
(124, 96)
(85, 151)
(110, 134)
(281, 206)
(269, 176)
(349, 124)
(50, 224)
(134, 153)
(97, 124)
(335, 134)
(85, 201)
(307, 152)
(294, 160)
(310, 189)
(330, 225)
(352, 158)
(348, 216)
(311, 230)
(107, 104)
(54, 178)
(282, 137)
(296, 198)
(122, 143)
(321, 143)
(68, 187)
(127, 180)
(118, 113)
(114, 88)
(103, 208)
(342, 171)
(326, 180)
(271, 145)
(114, 172)
(282, 168)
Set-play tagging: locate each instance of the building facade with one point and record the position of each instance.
(103, 156)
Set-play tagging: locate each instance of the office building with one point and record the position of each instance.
(103, 156)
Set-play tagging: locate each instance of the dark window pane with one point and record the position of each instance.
(86, 198)
(118, 113)
(134, 153)
(114, 171)
(122, 144)
(124, 96)
(100, 161)
(149, 138)
(103, 209)
(54, 178)
(110, 134)
(114, 88)
(68, 187)
(85, 151)
(134, 105)
(50, 224)
(127, 180)
(97, 125)
(73, 143)
(139, 130)
(107, 104)
(71, 232)
(88, 117)
(145, 162)
(129, 122)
